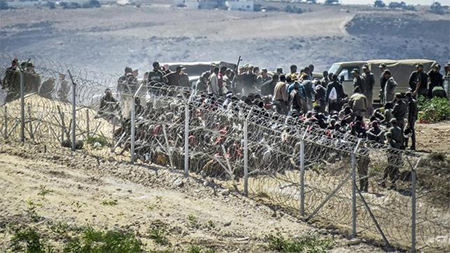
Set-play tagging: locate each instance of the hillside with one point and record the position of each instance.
(110, 38)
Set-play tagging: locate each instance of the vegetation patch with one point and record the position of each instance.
(307, 243)
(434, 110)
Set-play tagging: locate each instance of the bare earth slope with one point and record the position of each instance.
(80, 192)
(109, 38)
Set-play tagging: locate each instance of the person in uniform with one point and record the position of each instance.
(413, 112)
(418, 81)
(358, 102)
(389, 87)
(369, 83)
(400, 110)
(11, 81)
(383, 81)
(436, 79)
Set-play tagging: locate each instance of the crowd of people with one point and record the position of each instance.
(319, 101)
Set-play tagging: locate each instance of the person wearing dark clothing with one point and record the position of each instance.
(325, 79)
(122, 82)
(358, 130)
(320, 97)
(108, 105)
(383, 81)
(375, 133)
(413, 112)
(47, 88)
(156, 75)
(418, 81)
(334, 100)
(268, 87)
(438, 92)
(295, 98)
(357, 80)
(394, 161)
(11, 81)
(369, 83)
(436, 79)
(400, 110)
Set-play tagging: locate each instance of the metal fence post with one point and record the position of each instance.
(133, 123)
(413, 205)
(186, 139)
(63, 128)
(22, 107)
(74, 111)
(302, 177)
(133, 112)
(87, 123)
(246, 152)
(245, 157)
(353, 157)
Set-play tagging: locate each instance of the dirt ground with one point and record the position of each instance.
(110, 195)
(434, 137)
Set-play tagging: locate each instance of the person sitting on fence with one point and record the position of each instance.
(109, 106)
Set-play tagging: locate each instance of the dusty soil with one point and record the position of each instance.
(434, 137)
(80, 186)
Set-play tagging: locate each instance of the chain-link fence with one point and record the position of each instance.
(359, 187)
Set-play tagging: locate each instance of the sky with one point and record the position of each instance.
(421, 2)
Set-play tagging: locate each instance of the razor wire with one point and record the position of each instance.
(216, 150)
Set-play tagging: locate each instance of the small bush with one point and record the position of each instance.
(27, 240)
(102, 140)
(109, 202)
(434, 110)
(308, 243)
(91, 240)
(158, 234)
(199, 249)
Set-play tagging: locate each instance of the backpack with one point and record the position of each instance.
(333, 94)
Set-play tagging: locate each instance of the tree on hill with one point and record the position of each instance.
(4, 5)
(379, 4)
(437, 8)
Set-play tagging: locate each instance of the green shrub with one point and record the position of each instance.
(158, 234)
(307, 243)
(27, 240)
(434, 110)
(91, 140)
(91, 240)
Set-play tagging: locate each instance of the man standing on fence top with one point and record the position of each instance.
(11, 81)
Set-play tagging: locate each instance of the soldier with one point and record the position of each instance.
(32, 79)
(11, 81)
(383, 81)
(47, 88)
(389, 87)
(213, 85)
(436, 79)
(412, 117)
(108, 105)
(418, 81)
(263, 78)
(369, 82)
(63, 89)
(357, 80)
(394, 158)
(399, 111)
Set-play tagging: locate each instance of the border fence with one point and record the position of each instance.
(316, 174)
